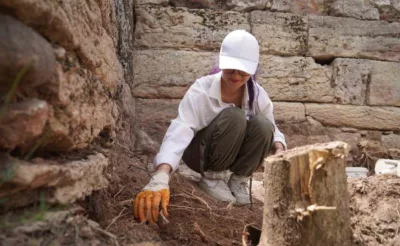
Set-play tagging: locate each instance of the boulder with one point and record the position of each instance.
(65, 183)
(21, 122)
(23, 53)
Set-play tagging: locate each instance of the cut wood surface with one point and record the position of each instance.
(306, 197)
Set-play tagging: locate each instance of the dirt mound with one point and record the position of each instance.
(375, 210)
(194, 218)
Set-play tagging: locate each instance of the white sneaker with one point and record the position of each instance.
(214, 186)
(239, 186)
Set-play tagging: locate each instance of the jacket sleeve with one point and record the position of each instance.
(181, 131)
(266, 108)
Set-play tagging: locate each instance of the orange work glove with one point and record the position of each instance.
(146, 206)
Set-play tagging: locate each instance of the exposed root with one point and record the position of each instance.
(115, 196)
(115, 219)
(199, 232)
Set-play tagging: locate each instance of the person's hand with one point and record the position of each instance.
(148, 201)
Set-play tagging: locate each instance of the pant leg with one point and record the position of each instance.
(256, 145)
(216, 146)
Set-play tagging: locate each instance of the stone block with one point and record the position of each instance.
(360, 117)
(181, 28)
(169, 73)
(289, 112)
(295, 79)
(347, 37)
(280, 33)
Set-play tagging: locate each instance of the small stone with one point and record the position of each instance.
(86, 232)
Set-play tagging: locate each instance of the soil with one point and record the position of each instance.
(194, 217)
(375, 210)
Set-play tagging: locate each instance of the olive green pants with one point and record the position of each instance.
(231, 142)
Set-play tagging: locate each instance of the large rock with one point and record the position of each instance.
(289, 112)
(360, 82)
(359, 9)
(68, 182)
(346, 37)
(21, 122)
(24, 53)
(361, 117)
(351, 78)
(295, 79)
(384, 88)
(159, 27)
(280, 33)
(76, 26)
(83, 106)
(169, 73)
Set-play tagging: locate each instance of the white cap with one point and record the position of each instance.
(240, 51)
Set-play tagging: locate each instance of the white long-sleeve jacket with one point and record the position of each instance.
(200, 105)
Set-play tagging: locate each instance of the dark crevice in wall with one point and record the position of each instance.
(324, 60)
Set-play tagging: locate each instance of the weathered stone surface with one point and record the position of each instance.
(359, 9)
(295, 79)
(315, 7)
(159, 2)
(169, 73)
(289, 112)
(83, 106)
(154, 117)
(69, 181)
(236, 5)
(364, 117)
(384, 87)
(391, 141)
(389, 9)
(204, 29)
(353, 138)
(199, 4)
(280, 33)
(350, 78)
(22, 49)
(21, 122)
(246, 5)
(302, 133)
(76, 26)
(346, 37)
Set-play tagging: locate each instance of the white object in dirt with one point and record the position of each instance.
(383, 166)
(356, 172)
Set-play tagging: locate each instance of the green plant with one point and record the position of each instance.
(37, 144)
(14, 87)
(43, 208)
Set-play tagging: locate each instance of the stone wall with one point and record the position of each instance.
(331, 67)
(65, 85)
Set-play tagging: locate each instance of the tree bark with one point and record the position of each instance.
(306, 197)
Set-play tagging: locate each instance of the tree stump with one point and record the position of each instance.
(306, 197)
